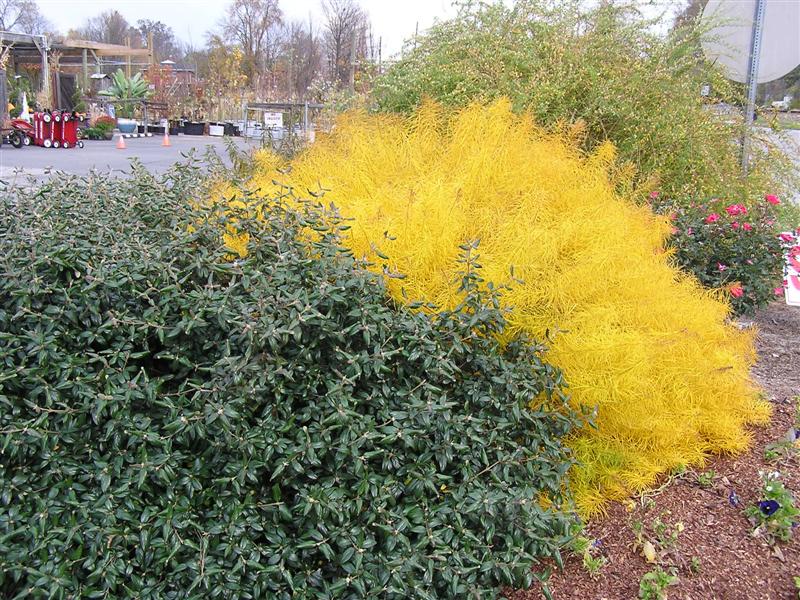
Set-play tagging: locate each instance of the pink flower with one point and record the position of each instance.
(787, 237)
(712, 218)
(689, 231)
(653, 195)
(747, 227)
(772, 199)
(673, 216)
(770, 222)
(737, 291)
(673, 231)
(779, 291)
(735, 225)
(749, 262)
(736, 209)
(722, 267)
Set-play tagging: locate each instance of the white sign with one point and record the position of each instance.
(273, 120)
(731, 34)
(792, 290)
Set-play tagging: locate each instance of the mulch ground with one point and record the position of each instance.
(715, 555)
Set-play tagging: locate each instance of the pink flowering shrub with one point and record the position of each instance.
(733, 246)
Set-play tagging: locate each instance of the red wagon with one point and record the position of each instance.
(57, 129)
(69, 129)
(42, 122)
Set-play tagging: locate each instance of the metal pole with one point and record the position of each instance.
(752, 81)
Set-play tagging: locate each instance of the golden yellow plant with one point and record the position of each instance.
(636, 338)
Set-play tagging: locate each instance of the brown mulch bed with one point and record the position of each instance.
(730, 563)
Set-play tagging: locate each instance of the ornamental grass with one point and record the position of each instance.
(639, 341)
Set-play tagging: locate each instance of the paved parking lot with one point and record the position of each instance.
(104, 156)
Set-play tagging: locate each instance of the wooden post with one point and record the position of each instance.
(45, 73)
(85, 72)
(128, 58)
(3, 96)
(59, 103)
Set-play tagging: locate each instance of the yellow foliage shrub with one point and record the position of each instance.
(636, 338)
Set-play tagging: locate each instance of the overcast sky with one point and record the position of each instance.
(392, 20)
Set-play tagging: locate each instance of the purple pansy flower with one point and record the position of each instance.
(768, 507)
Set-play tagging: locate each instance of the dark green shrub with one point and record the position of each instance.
(94, 133)
(178, 424)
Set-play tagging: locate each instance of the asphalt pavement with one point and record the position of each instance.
(105, 157)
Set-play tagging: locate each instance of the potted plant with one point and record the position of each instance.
(102, 128)
(176, 127)
(195, 128)
(126, 91)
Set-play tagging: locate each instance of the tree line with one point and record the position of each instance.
(254, 46)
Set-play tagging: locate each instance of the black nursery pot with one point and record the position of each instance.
(193, 128)
(175, 130)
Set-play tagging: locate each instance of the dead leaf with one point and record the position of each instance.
(649, 552)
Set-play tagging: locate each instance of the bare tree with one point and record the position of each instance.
(303, 58)
(109, 27)
(22, 16)
(346, 26)
(254, 25)
(164, 43)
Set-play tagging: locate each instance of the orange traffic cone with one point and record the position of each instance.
(121, 142)
(165, 142)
